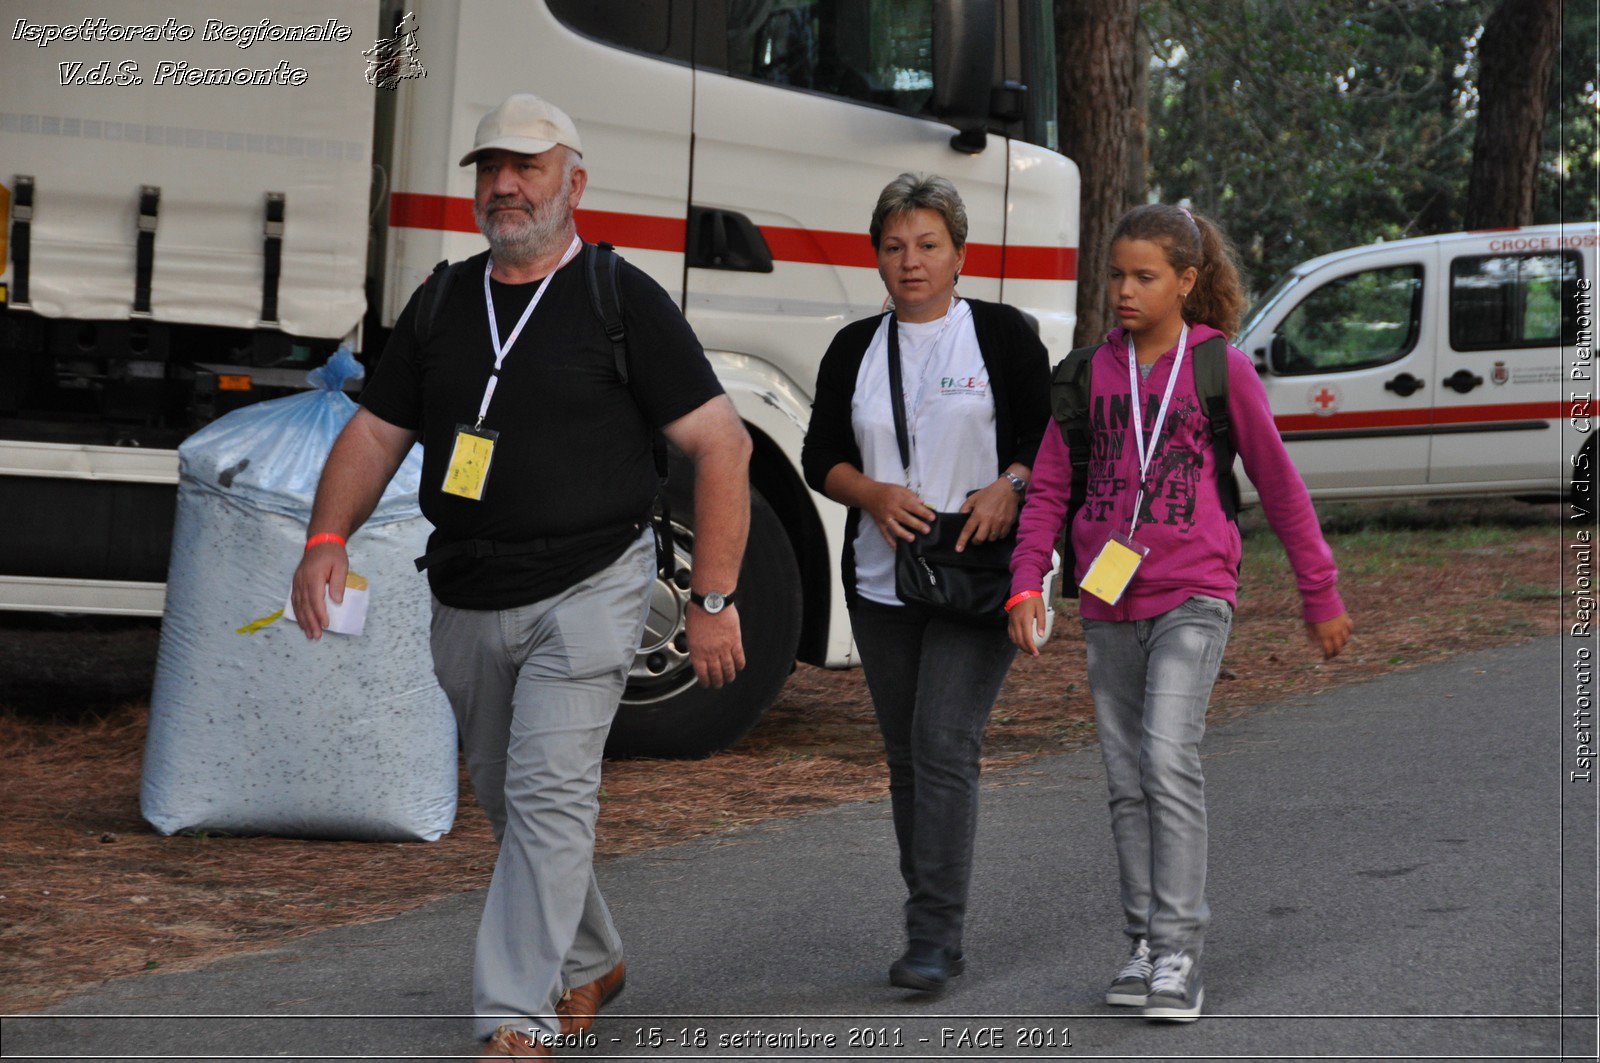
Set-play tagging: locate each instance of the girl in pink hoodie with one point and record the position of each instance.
(1155, 640)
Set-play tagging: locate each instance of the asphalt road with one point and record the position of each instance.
(1399, 869)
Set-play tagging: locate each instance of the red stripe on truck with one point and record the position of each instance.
(652, 232)
(1437, 416)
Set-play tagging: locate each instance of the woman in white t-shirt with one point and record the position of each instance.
(976, 389)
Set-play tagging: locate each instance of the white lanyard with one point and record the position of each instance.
(1146, 456)
(503, 349)
(914, 408)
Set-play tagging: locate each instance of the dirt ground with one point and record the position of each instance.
(89, 892)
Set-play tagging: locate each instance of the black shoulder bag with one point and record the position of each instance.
(970, 586)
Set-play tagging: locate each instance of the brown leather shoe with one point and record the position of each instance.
(576, 1008)
(511, 1043)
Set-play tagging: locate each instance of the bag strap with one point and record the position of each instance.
(605, 295)
(1211, 384)
(897, 398)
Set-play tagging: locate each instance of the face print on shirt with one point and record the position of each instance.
(1172, 489)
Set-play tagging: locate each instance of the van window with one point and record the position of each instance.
(1501, 301)
(874, 51)
(1356, 321)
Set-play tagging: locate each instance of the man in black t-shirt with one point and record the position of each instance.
(538, 478)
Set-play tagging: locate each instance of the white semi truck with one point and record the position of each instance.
(202, 201)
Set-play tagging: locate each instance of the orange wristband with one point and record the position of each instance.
(325, 537)
(1022, 596)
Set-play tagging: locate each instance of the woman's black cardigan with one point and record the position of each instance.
(1019, 382)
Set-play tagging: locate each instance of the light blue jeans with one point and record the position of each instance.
(1151, 680)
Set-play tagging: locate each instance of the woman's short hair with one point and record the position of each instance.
(921, 191)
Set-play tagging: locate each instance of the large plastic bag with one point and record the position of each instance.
(253, 728)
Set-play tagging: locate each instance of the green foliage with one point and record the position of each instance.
(1305, 126)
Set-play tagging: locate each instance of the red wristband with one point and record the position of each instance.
(1022, 596)
(324, 537)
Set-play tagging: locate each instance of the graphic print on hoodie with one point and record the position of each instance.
(1171, 490)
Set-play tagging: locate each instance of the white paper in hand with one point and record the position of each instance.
(348, 617)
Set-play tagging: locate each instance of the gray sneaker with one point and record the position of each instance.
(1175, 990)
(1132, 983)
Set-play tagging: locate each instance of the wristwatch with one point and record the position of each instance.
(1018, 484)
(714, 602)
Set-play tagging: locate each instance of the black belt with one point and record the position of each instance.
(481, 548)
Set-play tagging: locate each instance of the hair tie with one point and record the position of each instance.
(1186, 213)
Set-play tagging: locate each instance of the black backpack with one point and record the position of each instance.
(600, 260)
(1069, 406)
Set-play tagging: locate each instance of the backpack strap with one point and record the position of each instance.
(605, 295)
(432, 296)
(600, 272)
(1211, 384)
(1069, 406)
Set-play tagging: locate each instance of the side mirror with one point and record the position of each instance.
(963, 68)
(1278, 354)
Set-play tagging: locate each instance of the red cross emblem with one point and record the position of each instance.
(1324, 399)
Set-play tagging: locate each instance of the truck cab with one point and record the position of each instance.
(735, 149)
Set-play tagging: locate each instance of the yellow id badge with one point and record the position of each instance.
(1113, 569)
(469, 462)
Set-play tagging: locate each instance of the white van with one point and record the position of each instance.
(1443, 365)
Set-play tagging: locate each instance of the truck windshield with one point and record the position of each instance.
(876, 51)
(1038, 46)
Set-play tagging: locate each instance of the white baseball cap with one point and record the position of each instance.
(526, 124)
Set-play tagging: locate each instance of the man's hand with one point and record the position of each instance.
(321, 575)
(1027, 617)
(994, 511)
(715, 647)
(363, 459)
(714, 438)
(1330, 636)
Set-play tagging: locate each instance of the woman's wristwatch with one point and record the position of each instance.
(1018, 484)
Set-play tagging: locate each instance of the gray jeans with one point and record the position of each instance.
(534, 691)
(933, 683)
(1151, 680)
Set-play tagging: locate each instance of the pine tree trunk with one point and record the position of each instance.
(1100, 118)
(1516, 55)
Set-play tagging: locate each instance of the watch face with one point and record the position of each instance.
(715, 602)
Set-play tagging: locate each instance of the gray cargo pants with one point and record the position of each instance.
(534, 691)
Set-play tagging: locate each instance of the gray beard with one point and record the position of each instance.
(518, 240)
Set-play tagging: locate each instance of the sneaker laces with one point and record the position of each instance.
(1171, 974)
(1138, 965)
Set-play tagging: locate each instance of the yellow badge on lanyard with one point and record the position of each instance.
(469, 462)
(1113, 569)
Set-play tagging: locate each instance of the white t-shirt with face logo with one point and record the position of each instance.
(950, 417)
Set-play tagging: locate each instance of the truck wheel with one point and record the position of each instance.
(663, 712)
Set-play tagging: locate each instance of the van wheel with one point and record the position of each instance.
(663, 712)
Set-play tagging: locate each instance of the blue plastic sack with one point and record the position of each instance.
(253, 728)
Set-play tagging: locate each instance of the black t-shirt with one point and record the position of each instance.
(573, 459)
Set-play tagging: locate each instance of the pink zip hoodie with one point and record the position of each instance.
(1194, 549)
